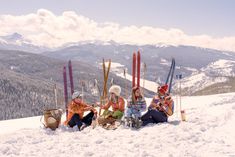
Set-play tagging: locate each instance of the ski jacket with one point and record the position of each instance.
(166, 104)
(80, 108)
(139, 105)
(119, 106)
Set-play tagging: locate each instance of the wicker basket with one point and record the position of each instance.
(52, 118)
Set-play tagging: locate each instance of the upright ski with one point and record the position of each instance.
(65, 90)
(71, 77)
(133, 69)
(170, 75)
(136, 69)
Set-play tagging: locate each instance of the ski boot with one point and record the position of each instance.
(137, 123)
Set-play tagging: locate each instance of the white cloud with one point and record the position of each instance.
(45, 28)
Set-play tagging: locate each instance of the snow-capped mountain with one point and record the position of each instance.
(220, 71)
(15, 37)
(221, 67)
(16, 41)
(200, 67)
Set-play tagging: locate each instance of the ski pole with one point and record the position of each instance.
(183, 118)
(145, 67)
(125, 70)
(55, 92)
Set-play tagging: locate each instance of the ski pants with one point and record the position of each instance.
(153, 116)
(76, 120)
(132, 112)
(116, 114)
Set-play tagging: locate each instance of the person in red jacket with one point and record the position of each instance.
(76, 109)
(161, 107)
(116, 102)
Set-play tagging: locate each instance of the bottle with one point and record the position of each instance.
(183, 118)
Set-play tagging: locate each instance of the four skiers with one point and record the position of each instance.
(160, 108)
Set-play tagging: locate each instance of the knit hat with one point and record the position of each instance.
(163, 89)
(115, 89)
(76, 94)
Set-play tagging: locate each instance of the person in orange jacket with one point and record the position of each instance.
(118, 106)
(161, 107)
(76, 109)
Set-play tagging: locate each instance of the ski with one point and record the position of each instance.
(71, 76)
(138, 69)
(103, 98)
(65, 90)
(136, 63)
(170, 75)
(133, 69)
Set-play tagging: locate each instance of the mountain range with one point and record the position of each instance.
(29, 72)
(27, 83)
(200, 68)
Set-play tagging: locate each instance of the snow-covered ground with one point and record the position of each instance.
(208, 131)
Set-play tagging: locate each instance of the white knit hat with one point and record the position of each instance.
(76, 94)
(115, 89)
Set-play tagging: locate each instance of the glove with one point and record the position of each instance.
(150, 108)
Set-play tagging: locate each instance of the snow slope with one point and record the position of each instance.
(200, 80)
(216, 72)
(221, 67)
(209, 131)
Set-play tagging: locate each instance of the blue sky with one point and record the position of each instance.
(194, 17)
